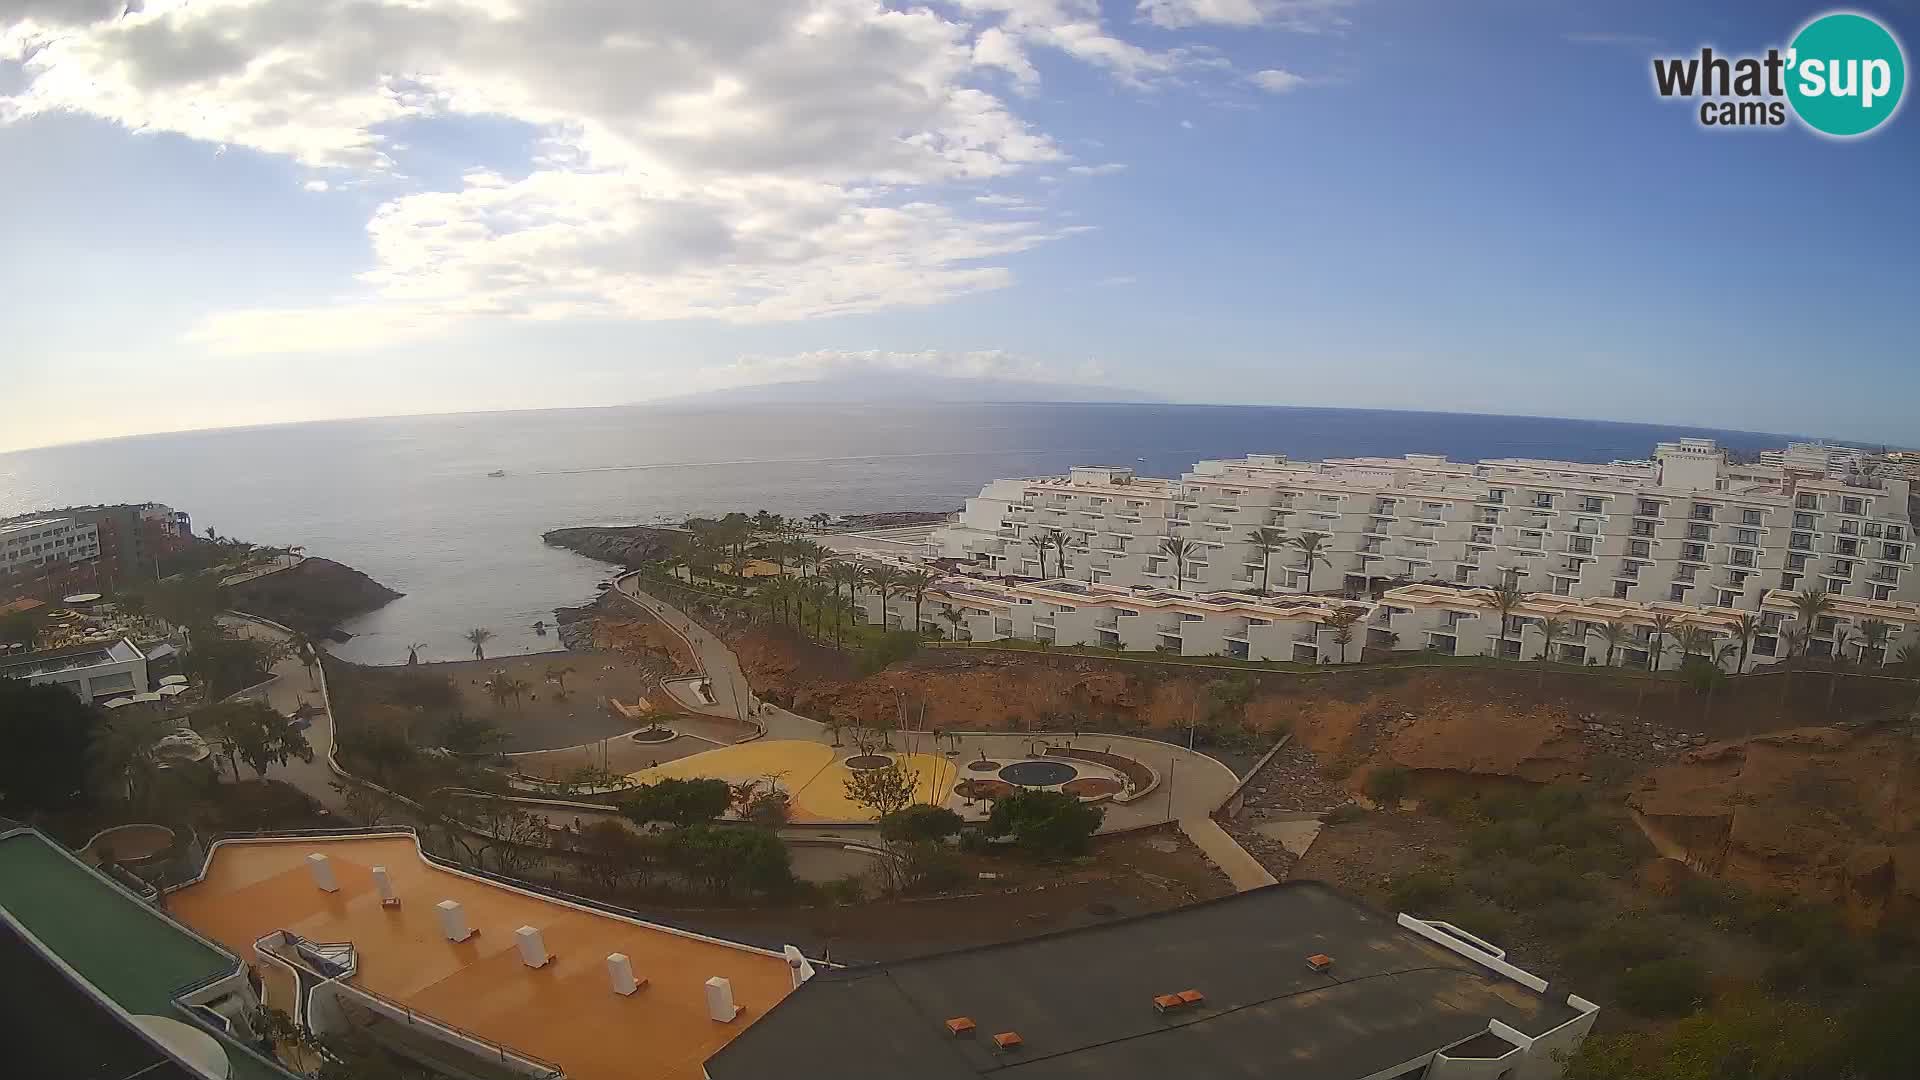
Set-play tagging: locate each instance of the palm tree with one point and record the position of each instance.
(478, 638)
(1041, 543)
(1059, 539)
(1507, 597)
(1744, 631)
(1694, 641)
(309, 656)
(818, 521)
(1554, 629)
(1872, 639)
(841, 573)
(122, 752)
(1657, 642)
(1310, 544)
(1179, 551)
(915, 583)
(1808, 606)
(1267, 540)
(557, 674)
(957, 618)
(413, 653)
(884, 579)
(515, 688)
(1614, 632)
(498, 688)
(774, 592)
(821, 594)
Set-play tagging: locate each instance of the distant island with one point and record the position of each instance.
(905, 388)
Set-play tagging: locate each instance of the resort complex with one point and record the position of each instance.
(471, 976)
(1263, 558)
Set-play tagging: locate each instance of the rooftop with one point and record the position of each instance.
(49, 661)
(129, 952)
(563, 1012)
(28, 523)
(71, 1034)
(1082, 1001)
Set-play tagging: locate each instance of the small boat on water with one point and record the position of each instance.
(498, 472)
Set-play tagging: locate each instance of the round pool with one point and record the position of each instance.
(1038, 773)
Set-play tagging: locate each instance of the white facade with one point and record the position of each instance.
(1684, 528)
(92, 672)
(26, 546)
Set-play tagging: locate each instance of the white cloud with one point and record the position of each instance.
(1117, 280)
(1188, 124)
(1303, 16)
(1107, 169)
(1003, 202)
(1276, 81)
(728, 159)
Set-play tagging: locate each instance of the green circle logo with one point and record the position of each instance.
(1845, 74)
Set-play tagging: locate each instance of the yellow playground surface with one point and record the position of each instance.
(812, 774)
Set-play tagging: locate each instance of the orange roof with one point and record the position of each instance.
(564, 1012)
(25, 603)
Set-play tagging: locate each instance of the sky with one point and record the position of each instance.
(227, 212)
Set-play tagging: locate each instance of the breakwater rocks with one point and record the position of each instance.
(627, 545)
(313, 597)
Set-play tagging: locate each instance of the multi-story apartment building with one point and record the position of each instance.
(35, 547)
(1687, 528)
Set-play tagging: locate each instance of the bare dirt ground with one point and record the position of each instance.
(618, 754)
(539, 722)
(1128, 875)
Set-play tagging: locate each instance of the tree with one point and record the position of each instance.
(1267, 540)
(677, 802)
(121, 752)
(1871, 638)
(614, 853)
(1662, 625)
(885, 790)
(1041, 543)
(19, 628)
(464, 735)
(1045, 824)
(251, 731)
(917, 823)
(840, 574)
(1059, 538)
(1507, 598)
(1745, 629)
(1553, 628)
(557, 674)
(45, 731)
(478, 638)
(225, 664)
(1693, 641)
(729, 860)
(1311, 545)
(915, 583)
(413, 653)
(1614, 633)
(1179, 551)
(1343, 622)
(308, 653)
(883, 579)
(956, 618)
(1808, 606)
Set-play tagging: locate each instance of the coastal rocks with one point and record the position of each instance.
(627, 545)
(891, 519)
(314, 596)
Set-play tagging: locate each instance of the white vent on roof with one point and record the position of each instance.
(620, 974)
(453, 921)
(383, 883)
(322, 872)
(800, 967)
(533, 948)
(720, 1004)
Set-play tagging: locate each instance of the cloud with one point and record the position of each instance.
(1003, 202)
(1276, 81)
(1300, 16)
(1188, 124)
(1116, 281)
(730, 159)
(1107, 169)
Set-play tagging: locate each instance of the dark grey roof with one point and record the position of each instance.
(1082, 1001)
(51, 1028)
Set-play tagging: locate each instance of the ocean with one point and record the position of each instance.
(408, 499)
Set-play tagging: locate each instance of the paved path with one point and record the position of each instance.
(291, 689)
(1220, 849)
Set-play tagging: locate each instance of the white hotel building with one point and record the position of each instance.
(1686, 533)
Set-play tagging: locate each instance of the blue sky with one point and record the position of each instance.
(1463, 206)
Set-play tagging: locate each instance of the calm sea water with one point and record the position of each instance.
(408, 501)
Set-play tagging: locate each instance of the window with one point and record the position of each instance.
(1697, 531)
(1746, 536)
(1677, 594)
(1640, 549)
(1796, 562)
(1842, 568)
(1894, 533)
(1728, 599)
(1883, 592)
(1851, 506)
(1826, 624)
(1800, 541)
(1749, 517)
(1693, 552)
(1580, 545)
(1789, 581)
(1648, 508)
(1703, 511)
(1807, 502)
(1803, 521)
(1496, 495)
(1850, 528)
(1892, 551)
(1743, 558)
(1619, 590)
(1590, 504)
(1643, 528)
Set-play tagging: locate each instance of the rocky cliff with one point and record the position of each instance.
(626, 545)
(314, 597)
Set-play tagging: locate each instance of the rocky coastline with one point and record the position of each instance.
(314, 597)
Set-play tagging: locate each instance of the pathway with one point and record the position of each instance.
(290, 689)
(1241, 868)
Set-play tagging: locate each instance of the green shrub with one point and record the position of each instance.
(918, 823)
(730, 860)
(1421, 891)
(1047, 824)
(889, 648)
(1479, 918)
(851, 889)
(1388, 786)
(1626, 941)
(677, 801)
(1519, 884)
(1659, 988)
(930, 866)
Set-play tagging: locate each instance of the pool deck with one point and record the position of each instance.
(563, 1012)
